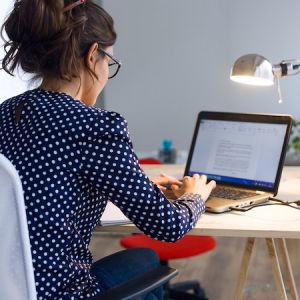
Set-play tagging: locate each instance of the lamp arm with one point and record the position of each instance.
(286, 68)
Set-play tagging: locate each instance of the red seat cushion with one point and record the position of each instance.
(189, 245)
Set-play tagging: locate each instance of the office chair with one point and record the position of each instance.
(137, 287)
(16, 271)
(188, 246)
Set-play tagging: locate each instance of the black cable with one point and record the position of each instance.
(280, 202)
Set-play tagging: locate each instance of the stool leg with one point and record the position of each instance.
(289, 271)
(244, 269)
(276, 268)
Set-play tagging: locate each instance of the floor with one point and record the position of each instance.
(217, 271)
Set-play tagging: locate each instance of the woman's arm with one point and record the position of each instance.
(110, 165)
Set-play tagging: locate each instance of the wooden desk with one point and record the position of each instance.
(274, 223)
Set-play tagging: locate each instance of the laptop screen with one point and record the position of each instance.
(238, 152)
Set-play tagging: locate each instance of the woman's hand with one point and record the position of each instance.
(196, 185)
(164, 181)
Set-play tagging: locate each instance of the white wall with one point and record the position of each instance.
(9, 86)
(177, 57)
(271, 28)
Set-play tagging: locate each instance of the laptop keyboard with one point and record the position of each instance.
(233, 194)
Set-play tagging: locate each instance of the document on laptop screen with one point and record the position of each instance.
(245, 153)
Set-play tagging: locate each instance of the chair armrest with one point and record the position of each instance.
(140, 285)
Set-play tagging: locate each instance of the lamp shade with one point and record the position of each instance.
(252, 69)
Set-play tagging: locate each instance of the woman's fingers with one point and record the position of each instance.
(165, 179)
(190, 184)
(203, 178)
(171, 179)
(174, 188)
(212, 184)
(161, 187)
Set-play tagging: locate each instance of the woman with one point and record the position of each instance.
(72, 158)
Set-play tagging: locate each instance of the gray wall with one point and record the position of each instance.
(177, 57)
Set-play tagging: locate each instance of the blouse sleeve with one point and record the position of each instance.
(111, 166)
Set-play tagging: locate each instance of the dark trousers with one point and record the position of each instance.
(119, 267)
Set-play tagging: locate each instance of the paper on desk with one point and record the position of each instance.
(113, 216)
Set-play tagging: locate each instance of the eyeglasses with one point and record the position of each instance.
(114, 65)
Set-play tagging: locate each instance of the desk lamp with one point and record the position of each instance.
(254, 69)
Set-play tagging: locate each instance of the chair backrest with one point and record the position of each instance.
(16, 270)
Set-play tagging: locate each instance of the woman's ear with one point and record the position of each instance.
(91, 56)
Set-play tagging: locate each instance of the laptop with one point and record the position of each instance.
(243, 153)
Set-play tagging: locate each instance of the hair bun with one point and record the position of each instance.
(45, 41)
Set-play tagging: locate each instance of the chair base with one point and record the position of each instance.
(184, 290)
(187, 290)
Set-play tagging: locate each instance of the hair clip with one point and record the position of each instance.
(72, 5)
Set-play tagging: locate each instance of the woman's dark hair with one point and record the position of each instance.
(48, 42)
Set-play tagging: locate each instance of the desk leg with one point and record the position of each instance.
(289, 271)
(244, 269)
(276, 268)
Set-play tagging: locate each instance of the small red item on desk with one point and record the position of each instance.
(149, 161)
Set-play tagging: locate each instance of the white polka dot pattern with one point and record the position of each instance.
(71, 159)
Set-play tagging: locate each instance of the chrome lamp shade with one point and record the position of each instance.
(252, 69)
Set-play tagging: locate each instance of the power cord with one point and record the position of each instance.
(279, 202)
(297, 202)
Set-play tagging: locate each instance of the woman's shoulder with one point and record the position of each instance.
(15, 99)
(106, 115)
(106, 121)
(59, 108)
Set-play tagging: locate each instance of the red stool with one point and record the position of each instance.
(189, 245)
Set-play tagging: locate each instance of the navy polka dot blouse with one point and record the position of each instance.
(72, 159)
